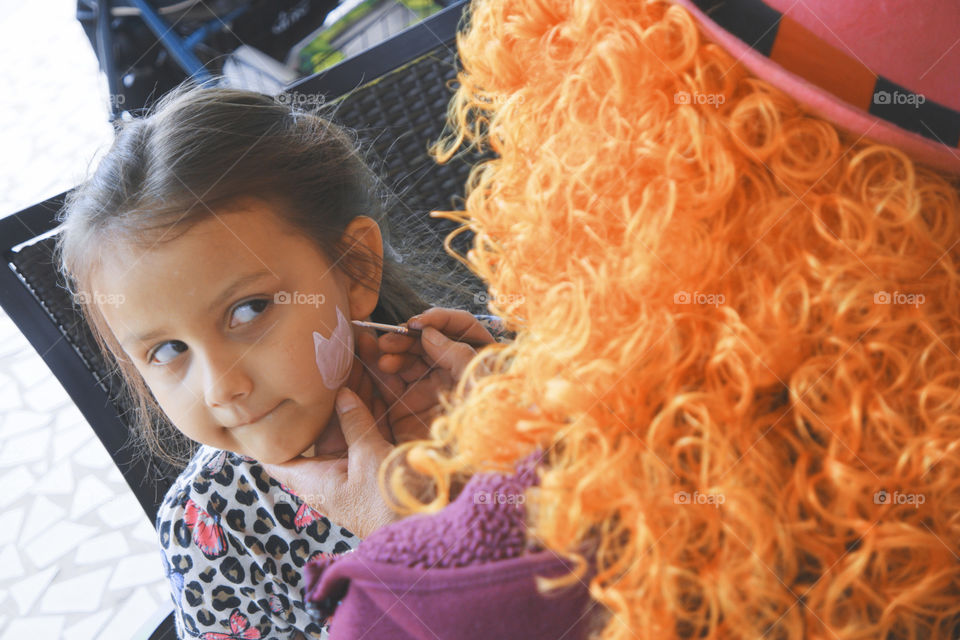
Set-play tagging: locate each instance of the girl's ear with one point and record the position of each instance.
(364, 245)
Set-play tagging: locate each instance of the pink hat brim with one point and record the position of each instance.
(825, 104)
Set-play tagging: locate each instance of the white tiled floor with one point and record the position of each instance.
(78, 557)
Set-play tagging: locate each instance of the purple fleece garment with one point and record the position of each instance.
(465, 572)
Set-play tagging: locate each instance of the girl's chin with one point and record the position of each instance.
(280, 458)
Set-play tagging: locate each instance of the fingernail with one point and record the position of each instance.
(432, 336)
(346, 400)
(415, 323)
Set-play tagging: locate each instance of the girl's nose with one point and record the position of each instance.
(225, 379)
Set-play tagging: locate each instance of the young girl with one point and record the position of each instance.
(222, 247)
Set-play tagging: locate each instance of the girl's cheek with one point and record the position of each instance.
(334, 355)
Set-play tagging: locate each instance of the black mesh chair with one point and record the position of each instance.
(394, 95)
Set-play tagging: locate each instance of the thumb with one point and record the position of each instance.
(310, 479)
(358, 426)
(446, 353)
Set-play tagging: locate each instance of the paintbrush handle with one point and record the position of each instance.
(406, 331)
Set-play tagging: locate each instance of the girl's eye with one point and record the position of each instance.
(260, 304)
(242, 311)
(152, 356)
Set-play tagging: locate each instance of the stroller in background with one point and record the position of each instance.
(145, 48)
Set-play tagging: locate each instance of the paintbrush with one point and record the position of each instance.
(407, 331)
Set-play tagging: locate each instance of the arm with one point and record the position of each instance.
(379, 601)
(442, 575)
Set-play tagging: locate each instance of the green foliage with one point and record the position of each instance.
(321, 54)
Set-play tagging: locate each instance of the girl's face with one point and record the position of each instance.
(234, 328)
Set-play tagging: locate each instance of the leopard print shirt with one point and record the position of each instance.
(234, 542)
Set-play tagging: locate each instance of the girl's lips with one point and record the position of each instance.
(258, 419)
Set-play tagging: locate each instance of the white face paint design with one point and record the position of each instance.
(335, 354)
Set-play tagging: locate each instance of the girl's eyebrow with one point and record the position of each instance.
(239, 283)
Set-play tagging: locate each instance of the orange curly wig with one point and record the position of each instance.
(737, 339)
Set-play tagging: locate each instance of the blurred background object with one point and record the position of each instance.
(145, 48)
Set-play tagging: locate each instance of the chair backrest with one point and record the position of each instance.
(395, 95)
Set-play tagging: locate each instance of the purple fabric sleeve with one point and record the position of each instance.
(482, 602)
(466, 572)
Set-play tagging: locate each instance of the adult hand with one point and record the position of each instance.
(412, 372)
(344, 489)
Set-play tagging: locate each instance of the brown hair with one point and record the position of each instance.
(211, 147)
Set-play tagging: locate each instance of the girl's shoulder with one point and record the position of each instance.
(221, 485)
(209, 461)
(224, 494)
(210, 472)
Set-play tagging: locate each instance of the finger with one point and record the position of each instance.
(366, 446)
(456, 323)
(419, 397)
(394, 363)
(442, 378)
(365, 389)
(355, 418)
(391, 387)
(415, 371)
(368, 349)
(382, 419)
(310, 478)
(397, 343)
(416, 426)
(356, 370)
(442, 352)
(387, 384)
(365, 349)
